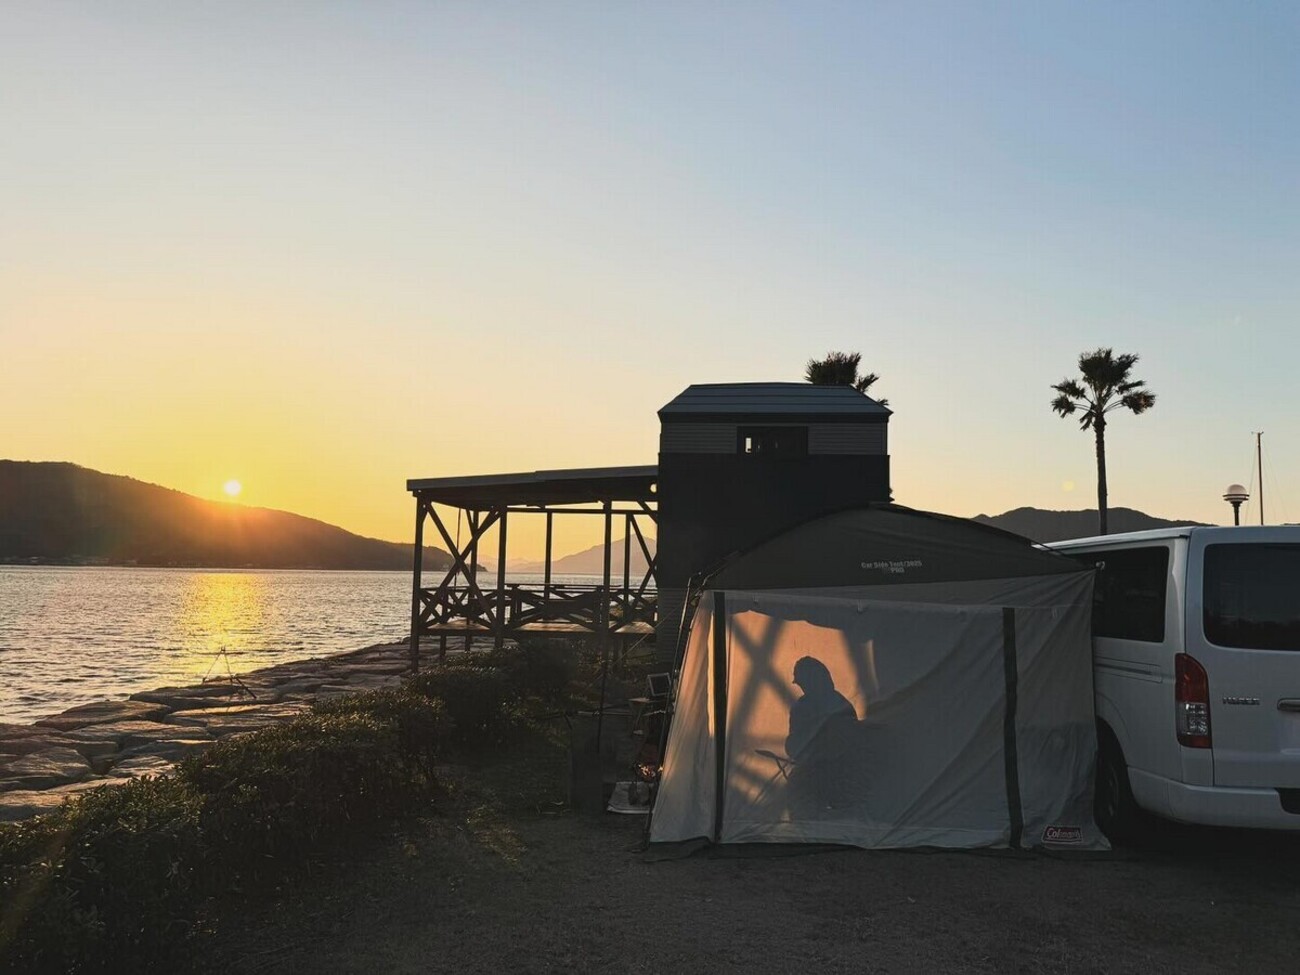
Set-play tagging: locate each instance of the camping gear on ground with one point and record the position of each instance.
(884, 677)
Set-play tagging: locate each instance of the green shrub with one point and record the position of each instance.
(480, 700)
(285, 791)
(115, 880)
(419, 722)
(109, 877)
(548, 669)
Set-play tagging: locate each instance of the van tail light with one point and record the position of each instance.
(1191, 702)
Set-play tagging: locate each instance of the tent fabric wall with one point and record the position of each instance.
(958, 716)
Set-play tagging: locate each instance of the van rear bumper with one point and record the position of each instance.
(1209, 805)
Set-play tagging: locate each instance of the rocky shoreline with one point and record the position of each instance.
(111, 742)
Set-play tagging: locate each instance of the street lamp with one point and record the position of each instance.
(1235, 495)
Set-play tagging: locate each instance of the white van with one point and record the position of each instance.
(1196, 651)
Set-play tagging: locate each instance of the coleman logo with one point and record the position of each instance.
(1063, 834)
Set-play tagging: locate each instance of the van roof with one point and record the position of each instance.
(1155, 534)
(1181, 531)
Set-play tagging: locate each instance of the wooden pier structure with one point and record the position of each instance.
(469, 601)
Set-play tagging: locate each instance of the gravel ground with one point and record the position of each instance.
(484, 891)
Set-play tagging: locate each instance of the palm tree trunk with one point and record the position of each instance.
(1099, 427)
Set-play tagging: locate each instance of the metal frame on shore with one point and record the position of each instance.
(460, 606)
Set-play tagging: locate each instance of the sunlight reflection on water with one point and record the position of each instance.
(72, 635)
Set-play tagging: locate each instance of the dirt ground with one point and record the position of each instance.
(479, 890)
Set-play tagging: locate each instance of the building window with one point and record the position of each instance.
(772, 441)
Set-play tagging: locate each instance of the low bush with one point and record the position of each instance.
(115, 880)
(112, 875)
(481, 702)
(551, 670)
(419, 722)
(284, 792)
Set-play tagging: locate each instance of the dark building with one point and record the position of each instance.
(739, 462)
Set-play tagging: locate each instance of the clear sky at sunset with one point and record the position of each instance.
(320, 248)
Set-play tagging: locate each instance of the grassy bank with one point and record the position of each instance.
(126, 877)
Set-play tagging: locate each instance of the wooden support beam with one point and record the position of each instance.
(501, 608)
(542, 509)
(420, 510)
(627, 552)
(602, 618)
(546, 579)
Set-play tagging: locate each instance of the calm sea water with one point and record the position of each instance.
(73, 635)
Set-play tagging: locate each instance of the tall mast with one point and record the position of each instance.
(1259, 463)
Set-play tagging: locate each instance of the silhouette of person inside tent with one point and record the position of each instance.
(823, 727)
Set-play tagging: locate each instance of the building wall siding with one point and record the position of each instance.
(697, 438)
(848, 438)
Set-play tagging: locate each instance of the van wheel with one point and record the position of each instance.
(1114, 808)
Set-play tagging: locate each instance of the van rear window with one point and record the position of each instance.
(1252, 596)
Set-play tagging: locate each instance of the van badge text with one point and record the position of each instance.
(1241, 700)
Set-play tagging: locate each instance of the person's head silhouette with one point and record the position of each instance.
(811, 675)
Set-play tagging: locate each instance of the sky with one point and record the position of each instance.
(322, 248)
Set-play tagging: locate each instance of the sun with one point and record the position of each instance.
(232, 488)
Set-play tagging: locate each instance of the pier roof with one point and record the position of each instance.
(583, 485)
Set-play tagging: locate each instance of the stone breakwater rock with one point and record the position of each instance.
(29, 802)
(171, 749)
(102, 712)
(127, 734)
(249, 717)
(111, 742)
(203, 696)
(140, 767)
(44, 770)
(38, 742)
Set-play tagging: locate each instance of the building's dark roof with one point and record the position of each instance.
(587, 485)
(798, 401)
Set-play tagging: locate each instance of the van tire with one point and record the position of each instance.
(1114, 808)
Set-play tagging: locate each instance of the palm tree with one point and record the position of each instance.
(840, 369)
(1105, 387)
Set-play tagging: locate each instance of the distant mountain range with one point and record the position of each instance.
(590, 561)
(57, 512)
(1052, 526)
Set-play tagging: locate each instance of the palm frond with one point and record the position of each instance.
(1139, 401)
(1064, 405)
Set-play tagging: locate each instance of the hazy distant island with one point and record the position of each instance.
(1052, 526)
(61, 513)
(591, 561)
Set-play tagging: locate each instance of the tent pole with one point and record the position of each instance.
(1010, 672)
(719, 710)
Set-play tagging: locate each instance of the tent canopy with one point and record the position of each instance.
(886, 544)
(884, 677)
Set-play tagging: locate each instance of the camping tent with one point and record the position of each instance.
(884, 677)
